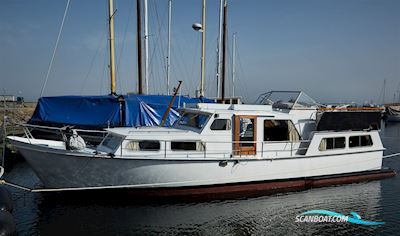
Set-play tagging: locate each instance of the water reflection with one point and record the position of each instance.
(390, 135)
(265, 215)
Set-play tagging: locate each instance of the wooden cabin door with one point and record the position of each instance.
(245, 133)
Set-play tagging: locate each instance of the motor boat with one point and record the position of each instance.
(212, 148)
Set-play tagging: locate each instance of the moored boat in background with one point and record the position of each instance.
(393, 112)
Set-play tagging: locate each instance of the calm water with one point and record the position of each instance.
(38, 214)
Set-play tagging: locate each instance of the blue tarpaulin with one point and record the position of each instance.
(108, 111)
(82, 111)
(148, 110)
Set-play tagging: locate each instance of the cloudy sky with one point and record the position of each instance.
(335, 50)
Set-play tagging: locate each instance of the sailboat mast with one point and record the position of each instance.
(139, 45)
(221, 12)
(223, 74)
(203, 44)
(112, 46)
(169, 43)
(233, 64)
(146, 46)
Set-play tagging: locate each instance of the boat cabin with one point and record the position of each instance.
(234, 131)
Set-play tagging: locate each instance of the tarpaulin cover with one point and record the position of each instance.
(81, 111)
(148, 110)
(107, 111)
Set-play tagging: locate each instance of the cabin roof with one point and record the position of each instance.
(145, 130)
(229, 107)
(241, 109)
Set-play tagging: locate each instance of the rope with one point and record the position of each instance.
(392, 155)
(122, 49)
(99, 46)
(16, 186)
(390, 138)
(55, 49)
(242, 75)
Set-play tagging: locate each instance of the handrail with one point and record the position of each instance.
(206, 154)
(59, 128)
(289, 148)
(164, 152)
(198, 140)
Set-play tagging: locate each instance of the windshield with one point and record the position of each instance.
(195, 120)
(287, 100)
(111, 142)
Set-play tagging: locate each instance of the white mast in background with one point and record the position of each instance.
(169, 43)
(202, 28)
(203, 46)
(233, 64)
(146, 47)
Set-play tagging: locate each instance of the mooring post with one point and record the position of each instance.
(4, 131)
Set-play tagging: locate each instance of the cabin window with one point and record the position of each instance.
(112, 142)
(145, 145)
(280, 130)
(332, 143)
(221, 124)
(187, 146)
(194, 120)
(360, 141)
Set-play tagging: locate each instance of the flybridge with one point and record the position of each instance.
(287, 100)
(278, 100)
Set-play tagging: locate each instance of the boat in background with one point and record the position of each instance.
(393, 112)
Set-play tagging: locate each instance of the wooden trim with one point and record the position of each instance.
(236, 132)
(237, 149)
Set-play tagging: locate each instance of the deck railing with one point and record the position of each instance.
(290, 149)
(263, 148)
(56, 133)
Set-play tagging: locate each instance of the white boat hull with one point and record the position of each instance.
(59, 168)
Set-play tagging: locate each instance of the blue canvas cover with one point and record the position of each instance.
(106, 111)
(148, 110)
(81, 111)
